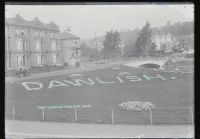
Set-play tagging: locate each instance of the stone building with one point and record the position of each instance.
(185, 42)
(167, 41)
(70, 45)
(32, 43)
(163, 41)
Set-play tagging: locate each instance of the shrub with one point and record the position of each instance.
(65, 64)
(10, 73)
(46, 67)
(77, 64)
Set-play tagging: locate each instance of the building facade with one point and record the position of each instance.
(70, 45)
(185, 42)
(168, 42)
(163, 41)
(31, 43)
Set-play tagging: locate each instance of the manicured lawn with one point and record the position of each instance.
(102, 92)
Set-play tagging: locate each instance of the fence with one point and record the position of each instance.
(158, 116)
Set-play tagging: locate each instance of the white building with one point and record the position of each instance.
(163, 41)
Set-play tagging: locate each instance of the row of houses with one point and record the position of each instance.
(33, 43)
(167, 42)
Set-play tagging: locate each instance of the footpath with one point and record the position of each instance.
(83, 68)
(30, 129)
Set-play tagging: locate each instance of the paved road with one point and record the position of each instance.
(85, 67)
(62, 130)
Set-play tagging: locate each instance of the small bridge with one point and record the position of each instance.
(138, 63)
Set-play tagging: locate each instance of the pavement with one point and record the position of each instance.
(84, 67)
(28, 129)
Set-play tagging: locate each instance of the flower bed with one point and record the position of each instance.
(136, 106)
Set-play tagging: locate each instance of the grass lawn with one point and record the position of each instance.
(175, 91)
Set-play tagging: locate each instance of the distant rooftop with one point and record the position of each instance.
(159, 31)
(67, 35)
(35, 23)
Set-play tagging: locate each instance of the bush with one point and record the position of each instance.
(65, 64)
(46, 67)
(11, 73)
(150, 65)
(77, 64)
(37, 67)
(169, 62)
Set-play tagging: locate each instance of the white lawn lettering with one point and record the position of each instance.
(50, 107)
(33, 86)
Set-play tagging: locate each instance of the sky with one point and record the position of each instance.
(85, 20)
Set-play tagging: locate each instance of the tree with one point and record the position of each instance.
(143, 42)
(111, 44)
(178, 28)
(88, 52)
(152, 49)
(129, 49)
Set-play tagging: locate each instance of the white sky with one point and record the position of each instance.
(85, 20)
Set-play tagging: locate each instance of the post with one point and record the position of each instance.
(75, 114)
(112, 116)
(43, 116)
(191, 110)
(13, 111)
(150, 116)
(97, 60)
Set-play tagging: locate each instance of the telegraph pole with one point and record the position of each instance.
(96, 50)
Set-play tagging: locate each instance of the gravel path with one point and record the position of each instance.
(27, 129)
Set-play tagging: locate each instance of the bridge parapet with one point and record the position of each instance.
(138, 63)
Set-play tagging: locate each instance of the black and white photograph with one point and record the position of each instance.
(99, 70)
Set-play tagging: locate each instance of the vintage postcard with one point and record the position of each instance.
(99, 70)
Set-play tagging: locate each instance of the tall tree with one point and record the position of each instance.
(143, 42)
(152, 49)
(88, 52)
(111, 44)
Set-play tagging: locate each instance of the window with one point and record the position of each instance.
(54, 59)
(53, 44)
(72, 53)
(56, 35)
(76, 51)
(22, 32)
(75, 42)
(38, 45)
(39, 59)
(36, 33)
(21, 60)
(21, 44)
(52, 35)
(41, 34)
(17, 31)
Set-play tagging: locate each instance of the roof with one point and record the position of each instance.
(35, 23)
(67, 35)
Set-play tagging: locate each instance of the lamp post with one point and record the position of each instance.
(96, 50)
(121, 45)
(8, 36)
